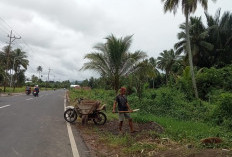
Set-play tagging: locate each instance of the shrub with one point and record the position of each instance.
(222, 113)
(211, 79)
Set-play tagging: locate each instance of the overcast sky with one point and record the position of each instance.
(57, 34)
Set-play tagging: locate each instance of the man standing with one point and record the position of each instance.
(123, 109)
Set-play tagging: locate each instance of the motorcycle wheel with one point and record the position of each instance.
(70, 115)
(100, 119)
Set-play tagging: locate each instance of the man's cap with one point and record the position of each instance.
(122, 89)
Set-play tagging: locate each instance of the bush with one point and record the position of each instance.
(222, 113)
(211, 79)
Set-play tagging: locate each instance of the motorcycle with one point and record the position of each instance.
(98, 117)
(35, 93)
(28, 92)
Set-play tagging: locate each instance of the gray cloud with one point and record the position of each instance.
(59, 33)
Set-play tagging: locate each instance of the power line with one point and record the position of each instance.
(4, 30)
(6, 24)
(23, 41)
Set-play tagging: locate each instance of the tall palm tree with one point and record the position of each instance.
(1, 68)
(39, 69)
(19, 59)
(200, 47)
(188, 7)
(166, 60)
(113, 59)
(4, 55)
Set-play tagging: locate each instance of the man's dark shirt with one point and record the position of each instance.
(37, 89)
(122, 101)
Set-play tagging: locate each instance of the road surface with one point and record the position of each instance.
(35, 127)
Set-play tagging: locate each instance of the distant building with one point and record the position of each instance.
(74, 86)
(28, 81)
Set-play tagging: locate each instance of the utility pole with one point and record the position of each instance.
(12, 39)
(48, 75)
(49, 72)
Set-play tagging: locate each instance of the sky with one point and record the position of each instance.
(57, 34)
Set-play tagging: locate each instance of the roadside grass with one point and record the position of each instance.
(19, 89)
(188, 131)
(12, 90)
(183, 132)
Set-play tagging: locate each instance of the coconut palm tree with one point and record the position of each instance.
(166, 60)
(200, 47)
(188, 7)
(39, 69)
(18, 60)
(1, 68)
(113, 59)
(4, 55)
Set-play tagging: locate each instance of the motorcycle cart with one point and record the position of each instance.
(87, 110)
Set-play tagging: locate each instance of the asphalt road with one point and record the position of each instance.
(35, 127)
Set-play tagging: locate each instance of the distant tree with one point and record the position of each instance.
(141, 75)
(34, 79)
(220, 35)
(85, 83)
(166, 60)
(154, 71)
(91, 82)
(39, 69)
(21, 78)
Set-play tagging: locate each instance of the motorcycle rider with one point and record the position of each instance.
(36, 90)
(28, 90)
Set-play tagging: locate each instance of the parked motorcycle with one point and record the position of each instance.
(82, 109)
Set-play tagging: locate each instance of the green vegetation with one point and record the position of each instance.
(191, 97)
(184, 121)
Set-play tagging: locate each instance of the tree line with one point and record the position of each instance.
(211, 48)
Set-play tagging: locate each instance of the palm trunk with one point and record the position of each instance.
(116, 83)
(4, 87)
(153, 83)
(190, 57)
(167, 72)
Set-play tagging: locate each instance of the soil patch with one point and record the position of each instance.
(93, 136)
(112, 127)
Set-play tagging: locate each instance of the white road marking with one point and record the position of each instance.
(17, 153)
(71, 137)
(29, 99)
(5, 106)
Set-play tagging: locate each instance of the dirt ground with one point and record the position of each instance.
(165, 147)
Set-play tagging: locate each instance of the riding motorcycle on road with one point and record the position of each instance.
(28, 90)
(36, 91)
